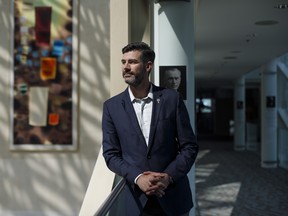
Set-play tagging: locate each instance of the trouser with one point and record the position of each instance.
(153, 208)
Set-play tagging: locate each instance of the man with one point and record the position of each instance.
(172, 78)
(148, 139)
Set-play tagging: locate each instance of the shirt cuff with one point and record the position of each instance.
(137, 178)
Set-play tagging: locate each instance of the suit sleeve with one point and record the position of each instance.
(112, 149)
(188, 148)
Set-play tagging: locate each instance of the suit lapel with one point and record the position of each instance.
(158, 100)
(157, 105)
(129, 109)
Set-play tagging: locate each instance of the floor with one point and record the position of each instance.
(232, 183)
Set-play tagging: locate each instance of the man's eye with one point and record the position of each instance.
(133, 62)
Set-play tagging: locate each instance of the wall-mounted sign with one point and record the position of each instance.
(239, 104)
(270, 101)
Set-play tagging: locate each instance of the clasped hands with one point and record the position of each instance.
(153, 183)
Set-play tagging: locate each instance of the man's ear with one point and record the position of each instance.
(149, 66)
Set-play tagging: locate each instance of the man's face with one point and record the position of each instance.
(173, 79)
(133, 69)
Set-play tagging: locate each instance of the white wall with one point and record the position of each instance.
(54, 183)
(282, 105)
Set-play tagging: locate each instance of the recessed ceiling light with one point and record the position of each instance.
(281, 6)
(235, 51)
(266, 22)
(230, 57)
(253, 35)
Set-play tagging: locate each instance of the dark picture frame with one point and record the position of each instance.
(182, 89)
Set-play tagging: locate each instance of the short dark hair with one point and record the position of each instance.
(147, 53)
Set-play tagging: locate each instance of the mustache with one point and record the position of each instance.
(126, 72)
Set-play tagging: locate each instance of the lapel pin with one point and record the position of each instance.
(158, 100)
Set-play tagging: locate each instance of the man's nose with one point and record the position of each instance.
(126, 66)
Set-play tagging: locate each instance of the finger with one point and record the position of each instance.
(150, 193)
(153, 188)
(155, 174)
(147, 172)
(161, 186)
(159, 193)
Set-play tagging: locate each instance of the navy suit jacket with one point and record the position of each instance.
(171, 149)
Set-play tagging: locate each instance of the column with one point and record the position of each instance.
(119, 37)
(239, 114)
(174, 46)
(100, 186)
(269, 115)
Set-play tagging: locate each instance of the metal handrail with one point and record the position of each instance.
(105, 207)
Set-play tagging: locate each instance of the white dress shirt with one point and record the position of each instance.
(143, 110)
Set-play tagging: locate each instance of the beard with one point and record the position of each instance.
(132, 79)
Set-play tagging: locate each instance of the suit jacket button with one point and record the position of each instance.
(148, 156)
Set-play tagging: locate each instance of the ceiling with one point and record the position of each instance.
(228, 42)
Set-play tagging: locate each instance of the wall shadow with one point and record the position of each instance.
(51, 182)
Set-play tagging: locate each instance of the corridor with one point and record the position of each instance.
(230, 183)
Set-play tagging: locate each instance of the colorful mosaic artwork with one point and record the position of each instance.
(42, 78)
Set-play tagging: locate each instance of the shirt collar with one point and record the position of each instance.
(132, 98)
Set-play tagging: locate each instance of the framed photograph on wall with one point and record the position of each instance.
(44, 75)
(174, 77)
